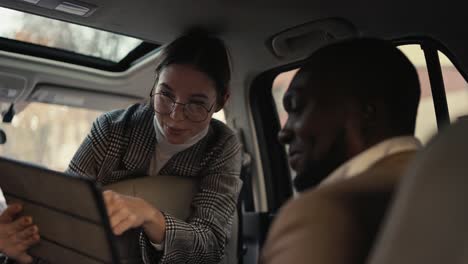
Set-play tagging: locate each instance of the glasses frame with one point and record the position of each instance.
(174, 103)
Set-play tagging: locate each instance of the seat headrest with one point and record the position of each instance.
(427, 221)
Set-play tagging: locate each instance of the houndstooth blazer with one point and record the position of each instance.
(120, 146)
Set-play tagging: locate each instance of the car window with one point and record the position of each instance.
(47, 134)
(456, 89)
(280, 85)
(426, 125)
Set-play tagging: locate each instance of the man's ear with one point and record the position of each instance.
(369, 121)
(225, 99)
(369, 113)
(356, 127)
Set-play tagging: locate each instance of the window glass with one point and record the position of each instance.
(426, 122)
(456, 89)
(280, 85)
(47, 134)
(62, 35)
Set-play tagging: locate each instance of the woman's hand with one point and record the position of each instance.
(127, 212)
(17, 234)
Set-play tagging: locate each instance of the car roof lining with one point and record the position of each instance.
(247, 28)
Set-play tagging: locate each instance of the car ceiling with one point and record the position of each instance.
(246, 26)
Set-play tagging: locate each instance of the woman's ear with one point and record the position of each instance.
(225, 99)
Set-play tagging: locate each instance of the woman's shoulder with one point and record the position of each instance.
(221, 135)
(129, 116)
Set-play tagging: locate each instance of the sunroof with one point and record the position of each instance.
(57, 34)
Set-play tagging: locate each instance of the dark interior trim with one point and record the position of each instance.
(276, 171)
(437, 85)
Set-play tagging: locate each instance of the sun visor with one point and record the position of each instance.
(11, 86)
(300, 41)
(81, 98)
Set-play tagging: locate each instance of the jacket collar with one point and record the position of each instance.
(141, 139)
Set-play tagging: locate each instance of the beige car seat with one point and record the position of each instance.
(428, 219)
(170, 194)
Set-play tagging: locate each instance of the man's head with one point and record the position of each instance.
(347, 97)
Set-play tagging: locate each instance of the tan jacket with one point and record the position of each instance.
(336, 223)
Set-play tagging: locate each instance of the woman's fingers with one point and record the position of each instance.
(124, 225)
(17, 226)
(24, 259)
(27, 243)
(27, 233)
(124, 212)
(10, 213)
(17, 250)
(118, 217)
(17, 234)
(112, 201)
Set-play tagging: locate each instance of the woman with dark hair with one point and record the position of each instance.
(172, 134)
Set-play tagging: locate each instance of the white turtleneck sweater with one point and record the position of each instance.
(164, 151)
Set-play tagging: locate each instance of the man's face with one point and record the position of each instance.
(315, 131)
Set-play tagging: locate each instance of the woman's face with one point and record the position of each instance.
(184, 84)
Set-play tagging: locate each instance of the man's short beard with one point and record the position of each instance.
(316, 171)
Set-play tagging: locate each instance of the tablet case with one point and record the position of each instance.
(69, 211)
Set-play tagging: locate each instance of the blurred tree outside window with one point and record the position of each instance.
(47, 134)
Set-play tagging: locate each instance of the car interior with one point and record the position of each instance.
(63, 63)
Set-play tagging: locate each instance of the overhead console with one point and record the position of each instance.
(298, 42)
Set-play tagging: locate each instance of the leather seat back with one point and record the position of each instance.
(428, 219)
(169, 194)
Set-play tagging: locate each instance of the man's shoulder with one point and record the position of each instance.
(306, 227)
(384, 175)
(337, 214)
(372, 189)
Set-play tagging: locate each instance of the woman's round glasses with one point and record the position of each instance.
(195, 112)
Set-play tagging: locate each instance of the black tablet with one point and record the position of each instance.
(68, 210)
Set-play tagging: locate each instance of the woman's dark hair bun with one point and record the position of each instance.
(203, 51)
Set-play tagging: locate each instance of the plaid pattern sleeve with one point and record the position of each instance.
(90, 155)
(203, 237)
